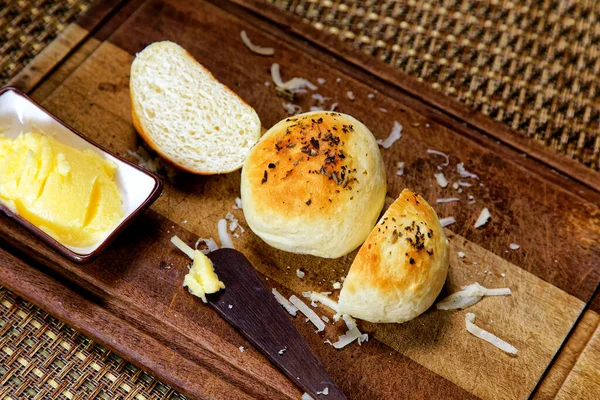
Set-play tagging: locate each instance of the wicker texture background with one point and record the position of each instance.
(532, 65)
(27, 26)
(41, 358)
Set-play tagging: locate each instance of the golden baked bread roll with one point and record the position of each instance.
(314, 184)
(402, 266)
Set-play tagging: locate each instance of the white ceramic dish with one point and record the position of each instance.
(138, 188)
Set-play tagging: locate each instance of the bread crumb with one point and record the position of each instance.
(242, 349)
(461, 254)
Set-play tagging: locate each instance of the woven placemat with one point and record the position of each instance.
(27, 26)
(42, 358)
(532, 65)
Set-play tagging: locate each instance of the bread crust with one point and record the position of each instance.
(147, 137)
(402, 266)
(314, 184)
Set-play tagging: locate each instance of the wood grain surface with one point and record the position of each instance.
(422, 91)
(553, 273)
(583, 382)
(568, 357)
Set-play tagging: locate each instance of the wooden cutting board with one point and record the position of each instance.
(131, 298)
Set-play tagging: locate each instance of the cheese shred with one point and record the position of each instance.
(469, 295)
(289, 307)
(487, 336)
(308, 313)
(183, 246)
(263, 51)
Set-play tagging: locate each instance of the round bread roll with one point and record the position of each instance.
(402, 266)
(314, 184)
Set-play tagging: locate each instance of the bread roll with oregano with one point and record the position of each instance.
(186, 115)
(401, 268)
(314, 184)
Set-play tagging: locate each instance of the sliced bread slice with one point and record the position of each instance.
(186, 115)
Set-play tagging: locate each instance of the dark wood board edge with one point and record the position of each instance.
(83, 312)
(43, 260)
(93, 321)
(97, 13)
(422, 92)
(565, 345)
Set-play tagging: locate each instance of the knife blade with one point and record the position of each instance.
(251, 308)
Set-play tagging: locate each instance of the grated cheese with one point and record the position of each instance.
(183, 246)
(464, 184)
(347, 338)
(441, 179)
(320, 98)
(447, 221)
(323, 299)
(439, 153)
(263, 51)
(316, 108)
(468, 296)
(238, 204)
(324, 391)
(289, 307)
(233, 223)
(224, 237)
(210, 244)
(310, 314)
(447, 200)
(350, 322)
(300, 274)
(292, 109)
(395, 135)
(487, 336)
(483, 218)
(461, 254)
(371, 96)
(306, 396)
(337, 285)
(350, 95)
(464, 173)
(294, 85)
(514, 246)
(321, 81)
(400, 167)
(153, 164)
(333, 107)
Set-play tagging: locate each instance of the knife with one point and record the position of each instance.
(251, 308)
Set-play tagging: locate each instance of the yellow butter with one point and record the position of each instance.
(70, 194)
(202, 280)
